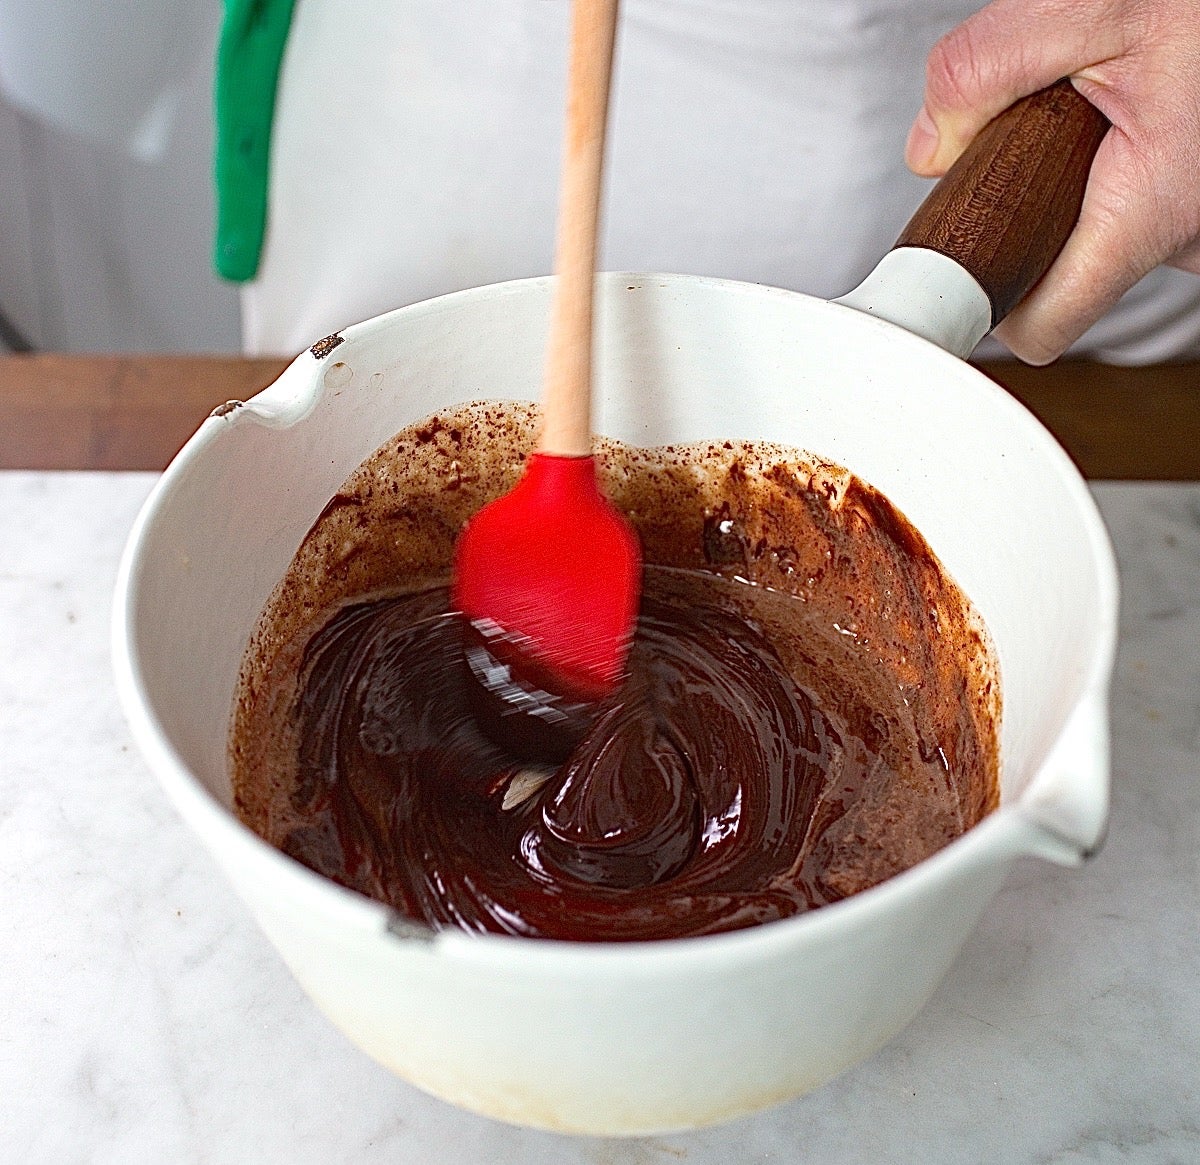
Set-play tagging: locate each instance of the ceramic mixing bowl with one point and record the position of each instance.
(644, 1037)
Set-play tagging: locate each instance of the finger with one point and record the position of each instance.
(1124, 231)
(1005, 51)
(1142, 206)
(1188, 259)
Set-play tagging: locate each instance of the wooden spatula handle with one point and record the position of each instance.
(566, 397)
(1006, 207)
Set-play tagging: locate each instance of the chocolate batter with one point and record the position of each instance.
(811, 705)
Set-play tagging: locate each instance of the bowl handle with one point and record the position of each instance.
(991, 228)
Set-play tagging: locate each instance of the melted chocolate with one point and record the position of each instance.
(683, 810)
(810, 706)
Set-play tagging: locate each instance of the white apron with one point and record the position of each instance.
(416, 151)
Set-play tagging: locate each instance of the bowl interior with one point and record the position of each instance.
(679, 359)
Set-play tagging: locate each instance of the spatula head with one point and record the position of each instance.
(551, 572)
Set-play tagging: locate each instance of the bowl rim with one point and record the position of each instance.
(1006, 833)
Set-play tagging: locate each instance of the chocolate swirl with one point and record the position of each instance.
(683, 810)
(812, 706)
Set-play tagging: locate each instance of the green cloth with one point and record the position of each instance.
(249, 54)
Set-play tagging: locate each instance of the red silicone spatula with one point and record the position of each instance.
(549, 574)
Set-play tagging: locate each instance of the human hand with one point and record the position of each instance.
(1138, 62)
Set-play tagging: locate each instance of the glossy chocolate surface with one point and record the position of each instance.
(811, 705)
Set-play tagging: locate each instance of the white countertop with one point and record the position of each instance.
(144, 1018)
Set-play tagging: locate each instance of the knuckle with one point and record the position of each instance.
(954, 72)
(1152, 199)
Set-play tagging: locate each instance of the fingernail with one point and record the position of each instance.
(922, 145)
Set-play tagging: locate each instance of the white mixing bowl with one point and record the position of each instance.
(637, 1038)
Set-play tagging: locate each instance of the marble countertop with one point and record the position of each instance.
(144, 1018)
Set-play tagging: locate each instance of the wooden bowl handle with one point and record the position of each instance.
(1004, 210)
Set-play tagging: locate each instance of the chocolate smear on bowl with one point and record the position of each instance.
(811, 707)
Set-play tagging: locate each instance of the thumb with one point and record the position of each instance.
(1005, 51)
